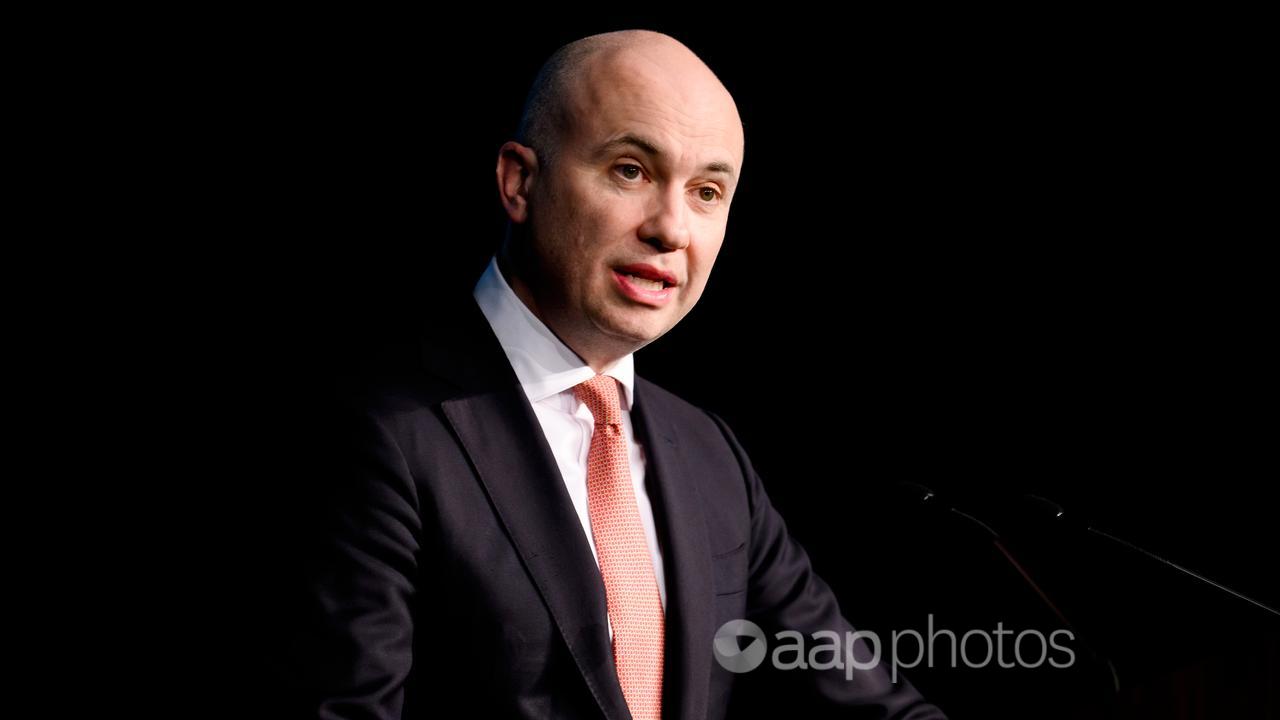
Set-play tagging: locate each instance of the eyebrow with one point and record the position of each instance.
(650, 148)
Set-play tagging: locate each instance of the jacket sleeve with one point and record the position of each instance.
(356, 645)
(785, 594)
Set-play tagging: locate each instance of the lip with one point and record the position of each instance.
(653, 298)
(648, 272)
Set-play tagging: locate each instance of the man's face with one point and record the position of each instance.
(628, 217)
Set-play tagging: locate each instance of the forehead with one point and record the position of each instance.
(680, 105)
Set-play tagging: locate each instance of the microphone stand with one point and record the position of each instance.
(1056, 510)
(927, 497)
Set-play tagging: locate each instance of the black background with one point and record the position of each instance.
(998, 256)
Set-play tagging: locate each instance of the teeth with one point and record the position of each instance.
(645, 283)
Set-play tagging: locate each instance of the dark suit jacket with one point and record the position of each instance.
(457, 573)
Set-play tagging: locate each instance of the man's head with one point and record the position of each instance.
(629, 155)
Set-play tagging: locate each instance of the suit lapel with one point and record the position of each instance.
(500, 434)
(686, 559)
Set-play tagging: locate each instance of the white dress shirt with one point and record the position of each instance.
(548, 370)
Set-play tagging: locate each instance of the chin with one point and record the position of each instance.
(637, 331)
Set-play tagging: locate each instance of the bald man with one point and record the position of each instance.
(523, 528)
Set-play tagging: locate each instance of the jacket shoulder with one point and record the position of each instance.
(693, 424)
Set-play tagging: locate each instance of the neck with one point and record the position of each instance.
(599, 355)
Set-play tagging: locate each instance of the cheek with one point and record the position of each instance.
(584, 224)
(611, 220)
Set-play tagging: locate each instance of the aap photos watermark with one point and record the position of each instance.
(741, 646)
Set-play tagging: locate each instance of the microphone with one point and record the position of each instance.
(928, 498)
(1057, 514)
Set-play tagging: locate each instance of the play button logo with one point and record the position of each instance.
(740, 646)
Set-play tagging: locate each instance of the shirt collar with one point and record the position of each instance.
(544, 365)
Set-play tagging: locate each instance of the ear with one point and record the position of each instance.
(517, 168)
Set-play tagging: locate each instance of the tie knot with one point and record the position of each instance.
(600, 395)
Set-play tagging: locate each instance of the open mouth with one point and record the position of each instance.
(645, 284)
(647, 277)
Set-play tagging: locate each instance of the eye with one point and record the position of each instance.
(629, 172)
(708, 194)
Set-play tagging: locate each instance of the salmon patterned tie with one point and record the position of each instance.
(630, 587)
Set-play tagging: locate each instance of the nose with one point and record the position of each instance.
(666, 224)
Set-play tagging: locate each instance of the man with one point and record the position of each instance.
(527, 529)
